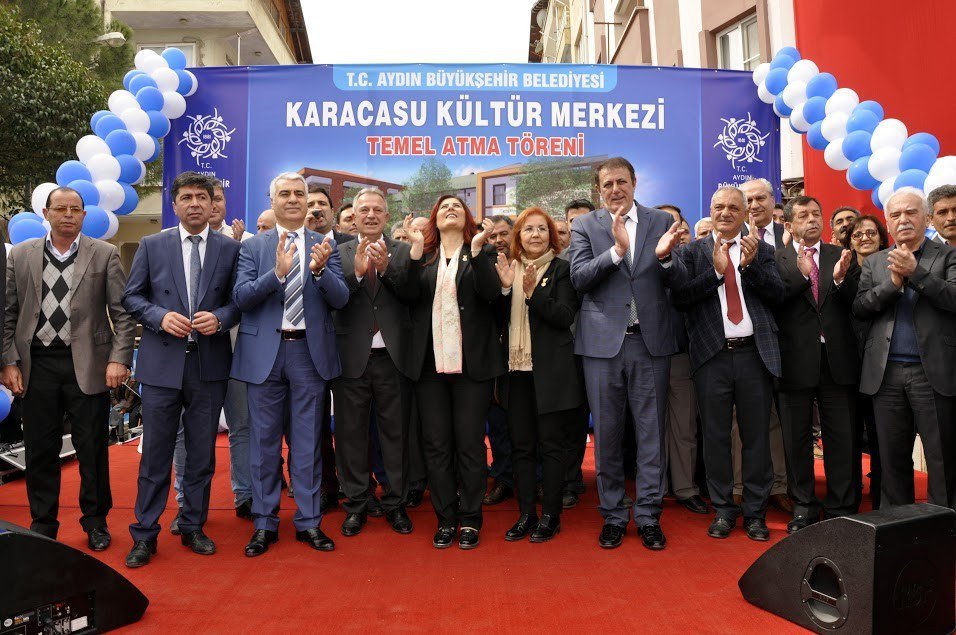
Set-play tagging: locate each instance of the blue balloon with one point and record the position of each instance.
(185, 82)
(71, 171)
(99, 114)
(150, 98)
(910, 178)
(25, 230)
(782, 61)
(88, 191)
(917, 156)
(856, 145)
(121, 142)
(876, 199)
(23, 216)
(155, 153)
(815, 110)
(781, 106)
(776, 80)
(822, 85)
(925, 138)
(108, 124)
(158, 124)
(129, 77)
(872, 106)
(129, 202)
(789, 51)
(5, 405)
(140, 82)
(858, 175)
(863, 120)
(96, 222)
(175, 58)
(815, 137)
(130, 168)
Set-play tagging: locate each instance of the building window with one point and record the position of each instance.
(189, 48)
(738, 48)
(498, 194)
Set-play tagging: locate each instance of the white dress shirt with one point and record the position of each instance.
(746, 326)
(188, 248)
(74, 247)
(769, 236)
(300, 254)
(377, 340)
(630, 224)
(816, 260)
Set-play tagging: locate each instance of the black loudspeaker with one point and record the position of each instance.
(53, 588)
(887, 571)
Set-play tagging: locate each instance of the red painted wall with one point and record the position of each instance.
(898, 53)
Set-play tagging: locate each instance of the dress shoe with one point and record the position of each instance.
(548, 527)
(800, 522)
(244, 510)
(261, 539)
(399, 520)
(756, 529)
(98, 539)
(468, 538)
(781, 502)
(327, 501)
(315, 539)
(414, 498)
(174, 526)
(569, 500)
(352, 525)
(199, 542)
(522, 528)
(695, 504)
(140, 554)
(374, 507)
(497, 494)
(652, 536)
(611, 536)
(720, 528)
(443, 537)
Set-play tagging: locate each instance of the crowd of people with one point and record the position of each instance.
(746, 334)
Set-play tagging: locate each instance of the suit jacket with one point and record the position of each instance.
(478, 289)
(157, 285)
(97, 287)
(341, 238)
(395, 290)
(259, 295)
(801, 320)
(934, 316)
(607, 288)
(697, 296)
(551, 310)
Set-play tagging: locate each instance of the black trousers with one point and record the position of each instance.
(837, 407)
(416, 476)
(330, 480)
(389, 389)
(537, 437)
(736, 378)
(53, 392)
(452, 410)
(905, 405)
(866, 424)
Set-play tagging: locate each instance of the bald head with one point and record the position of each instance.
(267, 220)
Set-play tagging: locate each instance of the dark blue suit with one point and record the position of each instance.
(277, 369)
(174, 379)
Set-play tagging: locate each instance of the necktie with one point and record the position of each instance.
(735, 311)
(814, 273)
(372, 276)
(628, 257)
(762, 232)
(195, 271)
(294, 307)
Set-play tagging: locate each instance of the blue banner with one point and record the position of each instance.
(504, 137)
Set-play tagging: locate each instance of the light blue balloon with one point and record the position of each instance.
(108, 124)
(88, 191)
(822, 85)
(865, 120)
(23, 216)
(175, 58)
(815, 110)
(150, 98)
(185, 82)
(856, 145)
(130, 201)
(917, 156)
(858, 175)
(925, 138)
(130, 168)
(815, 137)
(876, 199)
(781, 106)
(782, 61)
(97, 222)
(776, 80)
(910, 178)
(158, 124)
(789, 51)
(121, 142)
(5, 405)
(99, 114)
(72, 171)
(140, 82)
(129, 77)
(25, 230)
(872, 106)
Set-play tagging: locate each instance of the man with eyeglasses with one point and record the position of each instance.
(64, 349)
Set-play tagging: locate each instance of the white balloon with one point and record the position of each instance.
(798, 121)
(113, 227)
(834, 156)
(760, 73)
(148, 61)
(145, 146)
(136, 119)
(142, 173)
(40, 192)
(834, 126)
(795, 94)
(889, 133)
(195, 83)
(121, 100)
(46, 224)
(111, 195)
(843, 100)
(142, 56)
(885, 164)
(765, 95)
(943, 164)
(174, 104)
(166, 79)
(89, 146)
(939, 179)
(103, 167)
(802, 71)
(9, 249)
(885, 189)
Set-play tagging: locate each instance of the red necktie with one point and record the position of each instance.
(735, 311)
(763, 232)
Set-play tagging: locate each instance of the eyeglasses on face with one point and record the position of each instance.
(869, 233)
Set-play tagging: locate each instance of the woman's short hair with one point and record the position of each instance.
(848, 237)
(516, 247)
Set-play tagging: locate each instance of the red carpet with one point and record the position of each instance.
(383, 581)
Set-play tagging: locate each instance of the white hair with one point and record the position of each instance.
(908, 191)
(698, 223)
(286, 176)
(764, 182)
(729, 188)
(370, 191)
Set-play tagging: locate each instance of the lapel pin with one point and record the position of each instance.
(464, 258)
(544, 282)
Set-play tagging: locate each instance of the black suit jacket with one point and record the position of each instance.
(478, 289)
(801, 320)
(551, 310)
(395, 290)
(341, 237)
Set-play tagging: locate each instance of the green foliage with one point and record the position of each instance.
(424, 187)
(551, 183)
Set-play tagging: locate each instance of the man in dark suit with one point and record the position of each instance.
(820, 362)
(908, 294)
(942, 205)
(180, 290)
(372, 331)
(621, 263)
(727, 296)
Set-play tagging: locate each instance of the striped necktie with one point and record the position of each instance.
(294, 308)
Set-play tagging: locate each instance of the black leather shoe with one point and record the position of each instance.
(174, 526)
(569, 500)
(244, 510)
(611, 536)
(375, 509)
(199, 542)
(695, 504)
(352, 525)
(414, 498)
(327, 501)
(720, 528)
(399, 520)
(548, 527)
(261, 539)
(140, 554)
(498, 493)
(98, 539)
(315, 539)
(756, 529)
(800, 522)
(443, 537)
(652, 536)
(526, 522)
(468, 538)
